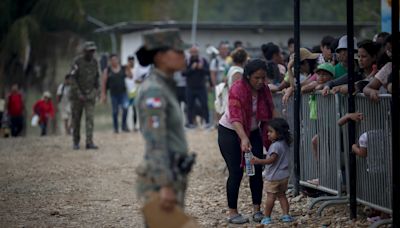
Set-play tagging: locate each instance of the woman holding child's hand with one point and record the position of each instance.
(255, 161)
(243, 129)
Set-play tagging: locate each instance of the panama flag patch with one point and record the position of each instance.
(155, 121)
(153, 103)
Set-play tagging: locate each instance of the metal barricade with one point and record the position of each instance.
(321, 171)
(322, 166)
(374, 172)
(309, 168)
(328, 158)
(318, 171)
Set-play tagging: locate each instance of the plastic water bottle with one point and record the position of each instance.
(249, 167)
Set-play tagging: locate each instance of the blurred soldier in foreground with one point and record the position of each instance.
(166, 162)
(83, 93)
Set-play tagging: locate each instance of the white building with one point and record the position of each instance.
(252, 34)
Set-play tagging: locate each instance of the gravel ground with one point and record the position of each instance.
(44, 183)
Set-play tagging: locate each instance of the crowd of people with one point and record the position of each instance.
(244, 113)
(324, 68)
(163, 81)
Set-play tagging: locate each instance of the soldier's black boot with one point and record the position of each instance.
(91, 146)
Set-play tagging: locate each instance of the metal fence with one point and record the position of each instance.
(374, 172)
(323, 171)
(319, 117)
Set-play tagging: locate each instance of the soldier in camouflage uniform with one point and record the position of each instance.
(166, 161)
(83, 93)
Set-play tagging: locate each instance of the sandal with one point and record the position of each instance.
(266, 220)
(238, 219)
(258, 216)
(287, 218)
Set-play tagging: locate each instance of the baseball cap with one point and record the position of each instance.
(343, 43)
(47, 94)
(327, 67)
(89, 46)
(212, 50)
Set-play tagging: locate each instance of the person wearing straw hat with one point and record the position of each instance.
(45, 110)
(166, 163)
(308, 62)
(83, 93)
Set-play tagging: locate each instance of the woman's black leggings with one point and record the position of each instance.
(229, 145)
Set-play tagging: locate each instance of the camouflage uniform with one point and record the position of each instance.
(161, 123)
(85, 82)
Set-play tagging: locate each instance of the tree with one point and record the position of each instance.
(229, 10)
(32, 32)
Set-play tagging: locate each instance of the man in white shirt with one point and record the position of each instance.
(64, 103)
(219, 65)
(132, 87)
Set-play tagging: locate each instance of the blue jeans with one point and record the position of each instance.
(191, 95)
(117, 101)
(132, 103)
(43, 128)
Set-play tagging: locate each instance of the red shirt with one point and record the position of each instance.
(44, 110)
(15, 104)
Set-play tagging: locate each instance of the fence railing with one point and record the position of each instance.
(325, 169)
(319, 117)
(374, 172)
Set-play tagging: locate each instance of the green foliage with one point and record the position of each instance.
(19, 37)
(56, 15)
(229, 10)
(28, 35)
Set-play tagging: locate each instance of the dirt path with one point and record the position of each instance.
(43, 182)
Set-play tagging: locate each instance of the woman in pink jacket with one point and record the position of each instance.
(243, 128)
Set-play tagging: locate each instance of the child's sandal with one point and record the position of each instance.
(266, 220)
(287, 218)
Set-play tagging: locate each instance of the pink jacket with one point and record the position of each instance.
(240, 107)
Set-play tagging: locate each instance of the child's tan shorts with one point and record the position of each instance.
(278, 186)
